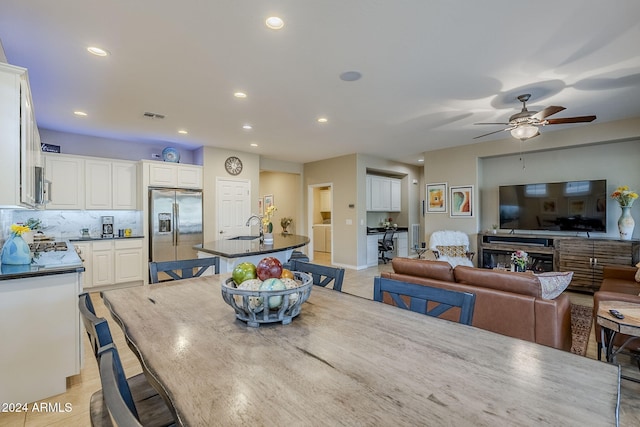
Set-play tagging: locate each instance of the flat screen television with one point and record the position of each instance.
(555, 206)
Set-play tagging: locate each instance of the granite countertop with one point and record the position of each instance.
(238, 248)
(90, 239)
(45, 264)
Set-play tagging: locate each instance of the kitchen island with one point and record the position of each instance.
(40, 325)
(233, 251)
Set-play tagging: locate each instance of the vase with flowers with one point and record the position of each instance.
(519, 260)
(285, 222)
(625, 198)
(267, 225)
(15, 250)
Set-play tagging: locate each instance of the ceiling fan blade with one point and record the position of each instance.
(505, 124)
(581, 119)
(491, 133)
(547, 112)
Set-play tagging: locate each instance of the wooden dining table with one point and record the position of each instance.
(347, 360)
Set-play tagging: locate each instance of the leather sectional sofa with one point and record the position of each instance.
(618, 284)
(506, 303)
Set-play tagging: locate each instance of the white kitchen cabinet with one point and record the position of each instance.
(327, 239)
(20, 139)
(84, 252)
(115, 261)
(124, 185)
(66, 174)
(102, 263)
(91, 183)
(402, 245)
(128, 261)
(173, 175)
(41, 336)
(98, 178)
(396, 195)
(383, 194)
(372, 249)
(325, 200)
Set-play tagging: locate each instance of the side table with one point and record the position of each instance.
(611, 326)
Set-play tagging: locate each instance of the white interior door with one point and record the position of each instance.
(234, 207)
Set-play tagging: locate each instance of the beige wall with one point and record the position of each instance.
(287, 195)
(213, 167)
(555, 155)
(342, 174)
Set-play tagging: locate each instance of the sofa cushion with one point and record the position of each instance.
(519, 283)
(554, 283)
(437, 270)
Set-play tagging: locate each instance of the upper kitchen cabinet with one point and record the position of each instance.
(325, 200)
(110, 185)
(173, 175)
(66, 181)
(383, 194)
(91, 183)
(20, 140)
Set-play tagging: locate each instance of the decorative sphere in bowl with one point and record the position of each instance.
(284, 298)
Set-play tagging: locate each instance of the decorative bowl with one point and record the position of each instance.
(250, 305)
(170, 154)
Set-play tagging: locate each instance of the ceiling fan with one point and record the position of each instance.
(524, 125)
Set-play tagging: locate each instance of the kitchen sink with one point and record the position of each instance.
(244, 238)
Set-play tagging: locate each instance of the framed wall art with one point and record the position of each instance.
(436, 200)
(268, 201)
(260, 206)
(461, 201)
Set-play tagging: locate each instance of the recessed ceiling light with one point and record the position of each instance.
(350, 76)
(183, 132)
(420, 160)
(247, 127)
(274, 23)
(240, 95)
(322, 120)
(253, 144)
(97, 51)
(80, 113)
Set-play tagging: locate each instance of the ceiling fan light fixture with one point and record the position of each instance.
(524, 132)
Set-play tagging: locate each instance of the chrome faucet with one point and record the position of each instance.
(259, 228)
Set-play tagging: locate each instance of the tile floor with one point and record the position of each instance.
(80, 387)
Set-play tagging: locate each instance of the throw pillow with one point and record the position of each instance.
(554, 283)
(638, 273)
(452, 251)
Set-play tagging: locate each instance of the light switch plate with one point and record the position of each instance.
(349, 222)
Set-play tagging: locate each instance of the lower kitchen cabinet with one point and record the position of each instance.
(112, 262)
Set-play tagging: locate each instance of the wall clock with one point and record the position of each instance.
(233, 165)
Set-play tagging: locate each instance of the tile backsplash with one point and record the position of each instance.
(67, 224)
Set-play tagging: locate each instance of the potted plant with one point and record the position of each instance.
(494, 228)
(285, 222)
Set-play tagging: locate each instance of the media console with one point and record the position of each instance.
(584, 256)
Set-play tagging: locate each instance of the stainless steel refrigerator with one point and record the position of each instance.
(176, 223)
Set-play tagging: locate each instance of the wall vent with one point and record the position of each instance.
(415, 235)
(153, 115)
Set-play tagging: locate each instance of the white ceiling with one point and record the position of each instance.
(430, 69)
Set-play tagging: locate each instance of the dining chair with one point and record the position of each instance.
(322, 275)
(183, 269)
(425, 299)
(386, 244)
(115, 390)
(151, 407)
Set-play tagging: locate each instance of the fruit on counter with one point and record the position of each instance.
(244, 271)
(286, 274)
(268, 268)
(273, 284)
